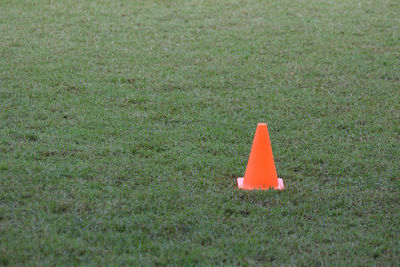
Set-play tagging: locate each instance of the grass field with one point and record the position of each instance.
(124, 125)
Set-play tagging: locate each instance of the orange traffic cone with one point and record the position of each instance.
(260, 171)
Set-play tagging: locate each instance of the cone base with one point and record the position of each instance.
(280, 185)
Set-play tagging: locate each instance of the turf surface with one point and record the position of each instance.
(124, 125)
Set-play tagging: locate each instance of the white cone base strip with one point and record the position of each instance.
(280, 185)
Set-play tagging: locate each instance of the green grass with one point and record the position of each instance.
(124, 125)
